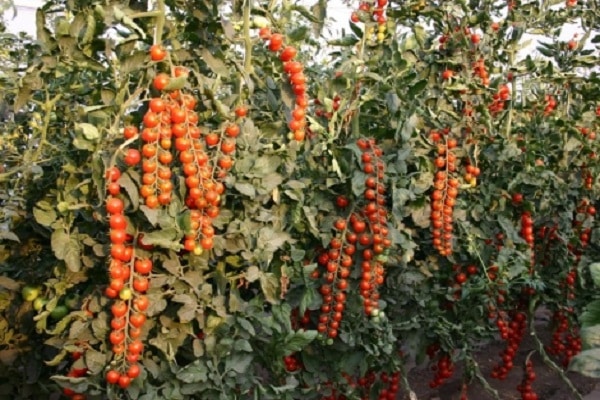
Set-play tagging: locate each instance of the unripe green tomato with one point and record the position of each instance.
(62, 207)
(260, 22)
(72, 301)
(59, 312)
(39, 303)
(213, 322)
(30, 292)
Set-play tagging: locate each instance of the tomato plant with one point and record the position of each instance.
(239, 207)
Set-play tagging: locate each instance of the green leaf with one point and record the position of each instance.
(215, 64)
(238, 362)
(165, 238)
(7, 235)
(242, 345)
(590, 336)
(305, 13)
(420, 34)
(194, 372)
(269, 285)
(344, 41)
(545, 51)
(247, 189)
(8, 283)
(66, 247)
(308, 299)
(595, 272)
(95, 361)
(89, 131)
(151, 214)
(296, 341)
(591, 314)
(253, 273)
(79, 385)
(246, 325)
(57, 359)
(510, 230)
(417, 88)
(587, 363)
(44, 213)
(319, 10)
(127, 182)
(300, 33)
(82, 144)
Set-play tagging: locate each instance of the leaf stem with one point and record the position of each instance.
(47, 108)
(479, 376)
(540, 348)
(160, 21)
(247, 39)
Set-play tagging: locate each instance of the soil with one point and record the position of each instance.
(548, 384)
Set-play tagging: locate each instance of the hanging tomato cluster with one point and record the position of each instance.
(375, 215)
(128, 284)
(205, 158)
(524, 387)
(337, 262)
(369, 11)
(566, 342)
(363, 386)
(512, 327)
(443, 368)
(365, 229)
(526, 232)
(550, 104)
(443, 197)
(296, 77)
(499, 99)
(479, 70)
(443, 371)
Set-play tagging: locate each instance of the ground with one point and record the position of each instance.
(548, 384)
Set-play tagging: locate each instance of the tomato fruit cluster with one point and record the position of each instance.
(363, 386)
(364, 230)
(524, 387)
(128, 284)
(445, 192)
(480, 70)
(550, 104)
(499, 99)
(292, 363)
(566, 342)
(443, 371)
(375, 212)
(295, 73)
(369, 11)
(512, 328)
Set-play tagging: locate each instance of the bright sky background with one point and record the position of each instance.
(338, 17)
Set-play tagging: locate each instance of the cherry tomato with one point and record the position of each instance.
(157, 53)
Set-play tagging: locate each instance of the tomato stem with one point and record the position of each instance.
(247, 39)
(542, 351)
(160, 21)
